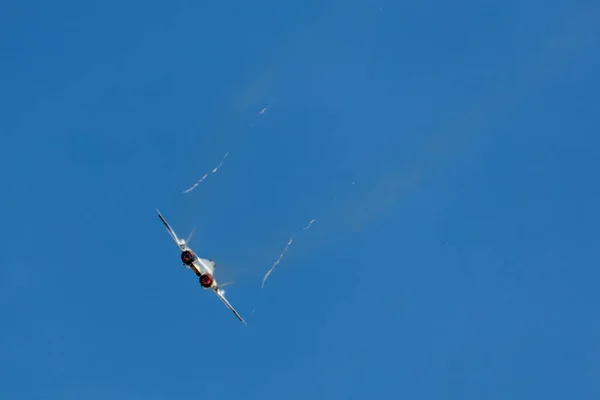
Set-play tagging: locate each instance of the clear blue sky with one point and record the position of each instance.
(449, 152)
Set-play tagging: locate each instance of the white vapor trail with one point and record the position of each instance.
(287, 246)
(309, 224)
(195, 185)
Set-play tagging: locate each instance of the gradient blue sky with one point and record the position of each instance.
(461, 264)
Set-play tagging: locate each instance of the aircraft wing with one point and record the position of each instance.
(169, 229)
(224, 300)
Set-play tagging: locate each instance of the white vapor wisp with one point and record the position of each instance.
(309, 224)
(287, 246)
(195, 185)
(276, 262)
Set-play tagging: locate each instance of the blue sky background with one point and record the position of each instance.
(461, 264)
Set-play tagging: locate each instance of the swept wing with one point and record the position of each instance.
(180, 243)
(224, 300)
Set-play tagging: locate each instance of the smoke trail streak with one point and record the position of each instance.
(309, 224)
(195, 185)
(221, 163)
(287, 246)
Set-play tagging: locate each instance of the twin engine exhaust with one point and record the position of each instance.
(188, 258)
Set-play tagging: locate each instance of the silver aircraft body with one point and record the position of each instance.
(203, 268)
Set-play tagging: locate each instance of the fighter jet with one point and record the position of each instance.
(203, 268)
